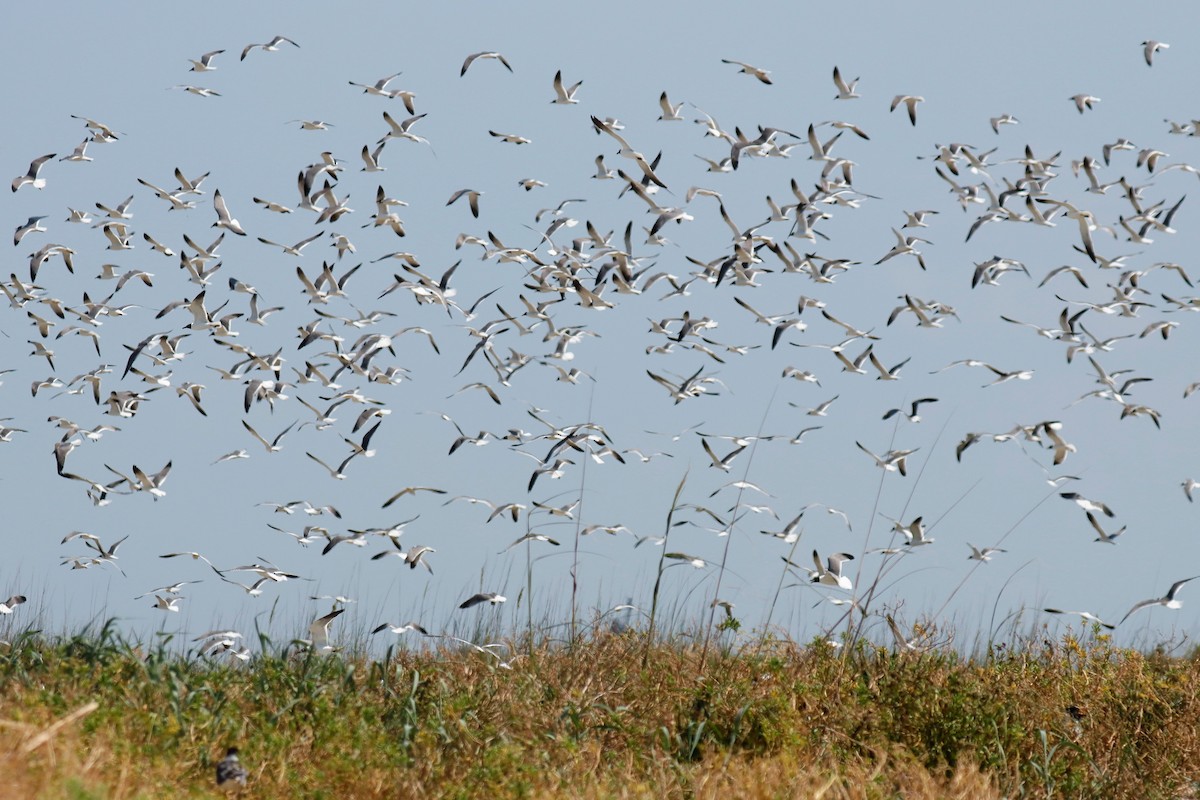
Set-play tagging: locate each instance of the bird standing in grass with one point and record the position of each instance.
(231, 775)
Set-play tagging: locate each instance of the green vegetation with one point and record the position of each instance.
(91, 716)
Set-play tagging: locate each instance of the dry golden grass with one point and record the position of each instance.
(613, 717)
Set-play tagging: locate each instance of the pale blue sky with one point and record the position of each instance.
(968, 63)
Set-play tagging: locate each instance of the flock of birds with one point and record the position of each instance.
(336, 357)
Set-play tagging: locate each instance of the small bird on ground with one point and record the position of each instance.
(231, 775)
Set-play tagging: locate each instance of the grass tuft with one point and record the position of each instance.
(616, 715)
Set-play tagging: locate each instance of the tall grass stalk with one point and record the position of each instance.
(999, 541)
(578, 528)
(662, 558)
(733, 518)
(855, 631)
(787, 563)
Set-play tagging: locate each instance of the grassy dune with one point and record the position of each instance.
(91, 716)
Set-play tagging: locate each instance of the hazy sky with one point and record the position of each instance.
(968, 64)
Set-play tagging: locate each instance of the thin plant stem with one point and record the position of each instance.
(712, 612)
(661, 566)
(578, 528)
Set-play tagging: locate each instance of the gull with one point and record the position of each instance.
(789, 534)
(628, 152)
(822, 409)
(1119, 144)
(102, 132)
(31, 177)
(293, 250)
(270, 206)
(905, 245)
(6, 432)
(318, 631)
(689, 387)
(31, 225)
(756, 146)
(80, 153)
(174, 588)
(603, 172)
(117, 235)
(511, 138)
(191, 554)
(892, 460)
(371, 158)
(884, 373)
(231, 775)
(796, 439)
(400, 129)
(269, 47)
(75, 215)
(165, 604)
(1075, 271)
(830, 573)
(564, 96)
(400, 630)
(567, 511)
(724, 165)
(483, 597)
(177, 202)
(670, 113)
(1150, 47)
(411, 490)
(722, 464)
(224, 219)
(1003, 119)
(204, 63)
(923, 645)
(983, 554)
(11, 603)
(108, 554)
(485, 54)
(846, 126)
(712, 128)
(800, 374)
(747, 69)
(1086, 504)
(310, 534)
(120, 212)
(1188, 486)
(912, 415)
(1168, 600)
(231, 456)
(337, 474)
(472, 199)
(273, 445)
(531, 537)
(197, 90)
(914, 532)
(910, 102)
(1084, 102)
(1106, 538)
(1087, 616)
(311, 124)
(356, 538)
(692, 561)
(145, 483)
(1061, 447)
(379, 87)
(845, 91)
(529, 184)
(1004, 377)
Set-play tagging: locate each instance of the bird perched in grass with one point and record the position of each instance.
(231, 776)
